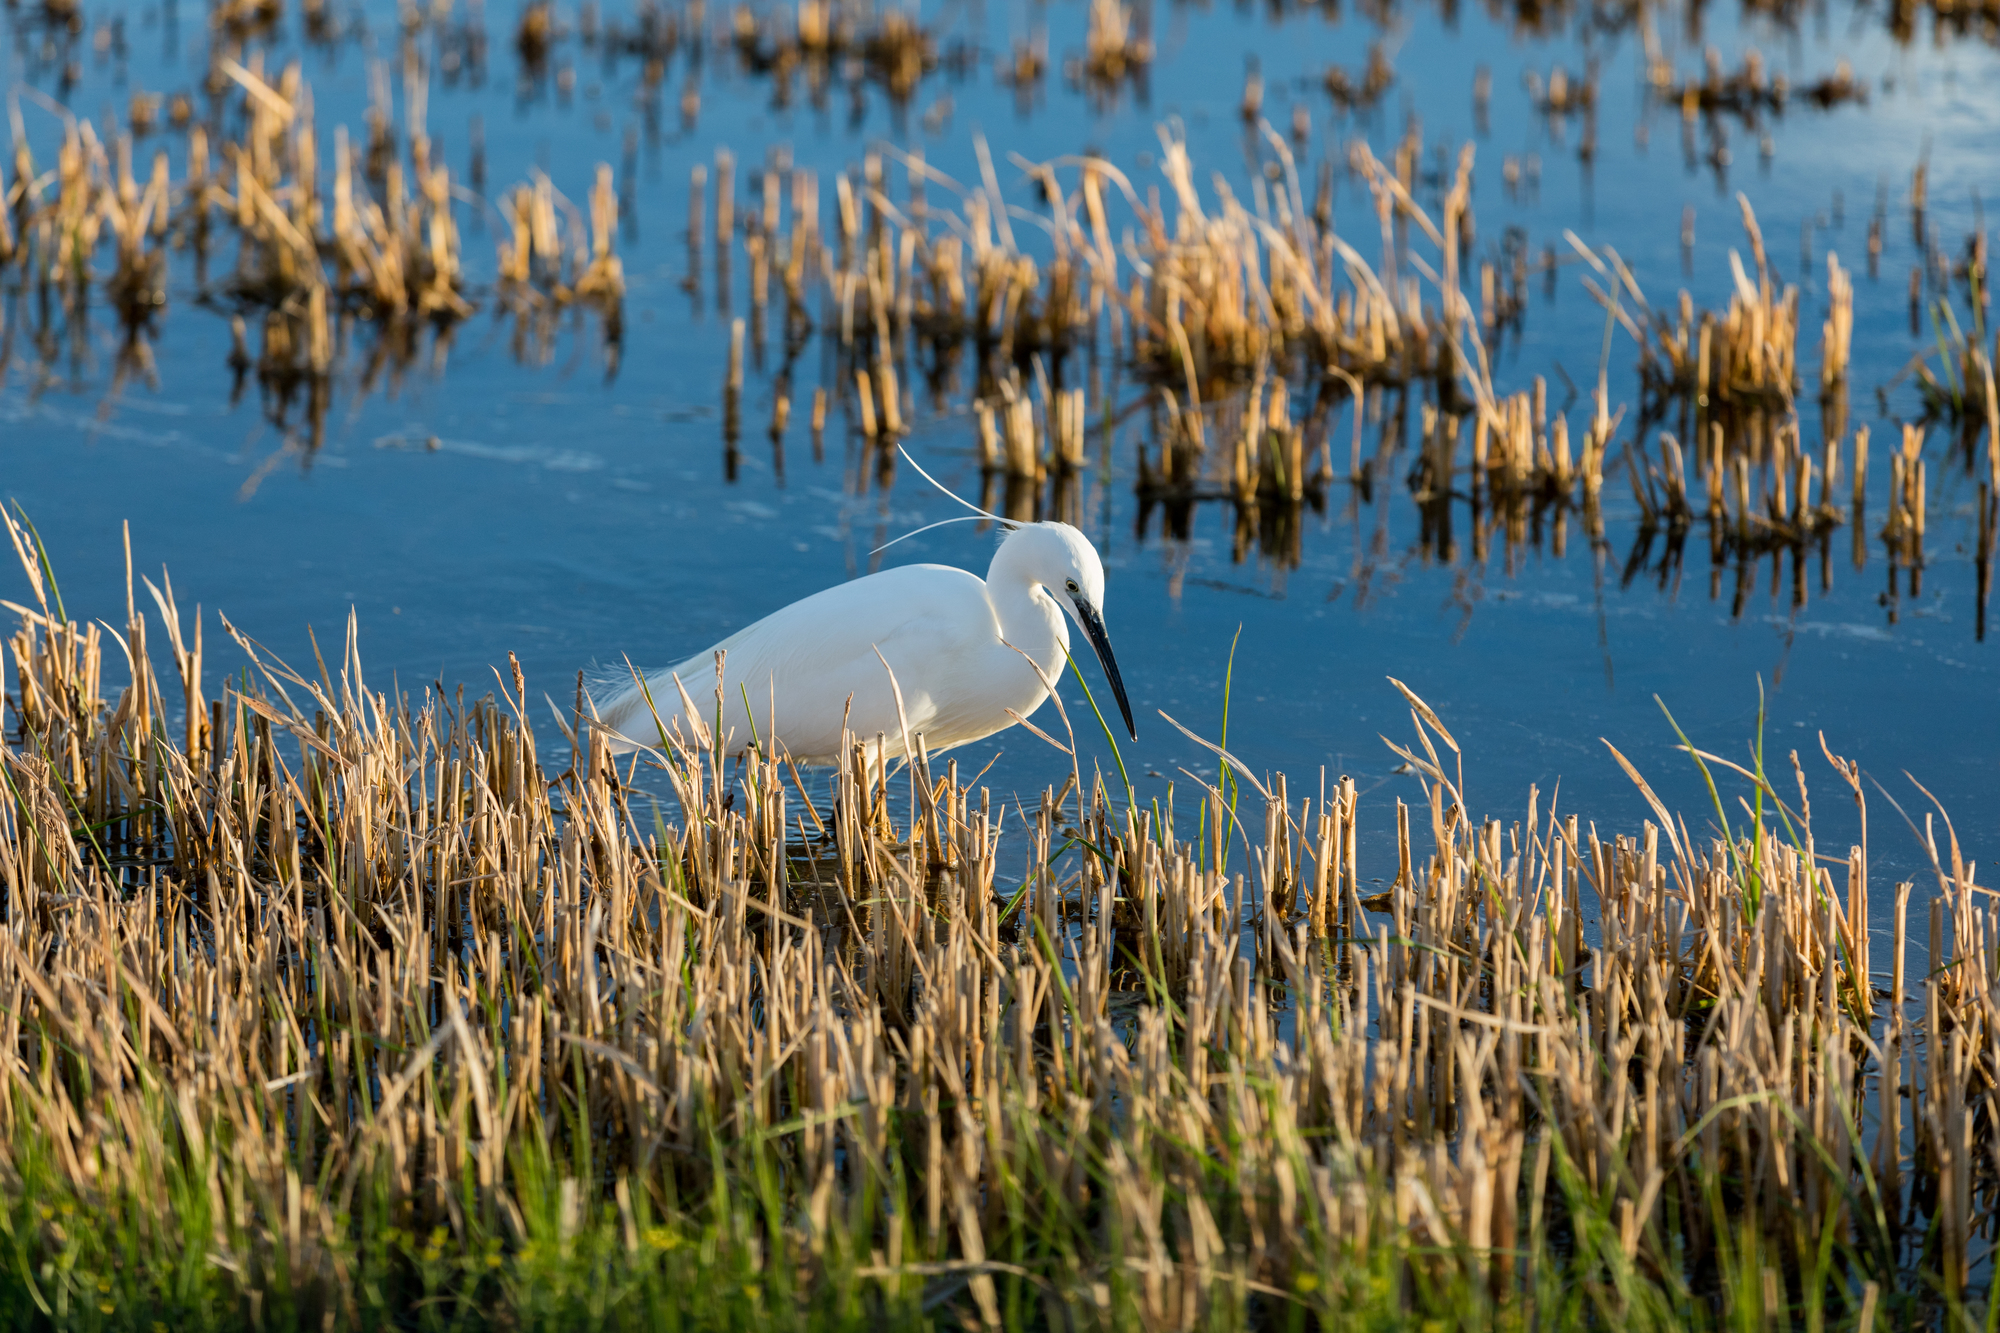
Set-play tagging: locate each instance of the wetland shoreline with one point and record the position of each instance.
(332, 1008)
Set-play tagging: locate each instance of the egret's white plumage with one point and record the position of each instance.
(950, 639)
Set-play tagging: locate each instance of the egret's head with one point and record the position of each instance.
(1065, 564)
(1063, 561)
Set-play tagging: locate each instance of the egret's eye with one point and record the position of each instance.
(1073, 589)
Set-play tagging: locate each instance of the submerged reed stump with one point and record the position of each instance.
(326, 1008)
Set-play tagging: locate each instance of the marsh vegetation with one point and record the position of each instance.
(331, 999)
(335, 1007)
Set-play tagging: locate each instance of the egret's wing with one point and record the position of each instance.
(832, 655)
(805, 666)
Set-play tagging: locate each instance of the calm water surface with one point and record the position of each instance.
(486, 496)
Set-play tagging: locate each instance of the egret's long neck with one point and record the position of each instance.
(1029, 618)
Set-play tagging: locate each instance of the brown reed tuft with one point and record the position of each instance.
(1363, 91)
(1114, 47)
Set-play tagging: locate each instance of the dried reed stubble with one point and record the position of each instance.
(1744, 362)
(829, 41)
(1113, 47)
(373, 946)
(391, 255)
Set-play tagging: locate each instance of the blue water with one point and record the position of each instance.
(478, 502)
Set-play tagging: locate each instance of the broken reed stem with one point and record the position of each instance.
(725, 197)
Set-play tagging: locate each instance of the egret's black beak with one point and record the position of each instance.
(1093, 625)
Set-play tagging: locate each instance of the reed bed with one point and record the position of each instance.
(1115, 47)
(550, 264)
(1740, 363)
(828, 42)
(847, 47)
(1752, 95)
(1744, 92)
(1247, 337)
(377, 248)
(1240, 331)
(1565, 97)
(1364, 90)
(1223, 313)
(1954, 377)
(326, 1007)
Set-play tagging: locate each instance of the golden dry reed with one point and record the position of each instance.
(322, 1004)
(384, 249)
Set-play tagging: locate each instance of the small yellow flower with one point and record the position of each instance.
(493, 1261)
(1306, 1284)
(106, 1307)
(661, 1239)
(104, 1284)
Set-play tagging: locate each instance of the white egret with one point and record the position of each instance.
(956, 645)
